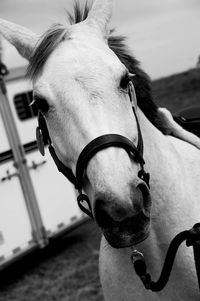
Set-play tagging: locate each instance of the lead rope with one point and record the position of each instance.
(192, 238)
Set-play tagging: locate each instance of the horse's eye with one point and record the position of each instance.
(41, 104)
(125, 81)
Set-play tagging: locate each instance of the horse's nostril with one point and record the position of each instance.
(103, 219)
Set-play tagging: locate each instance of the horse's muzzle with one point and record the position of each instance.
(125, 223)
(127, 233)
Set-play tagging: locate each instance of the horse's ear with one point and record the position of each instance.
(100, 15)
(23, 39)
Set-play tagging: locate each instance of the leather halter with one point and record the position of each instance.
(96, 145)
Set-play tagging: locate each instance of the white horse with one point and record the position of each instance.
(80, 84)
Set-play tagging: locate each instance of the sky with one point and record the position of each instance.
(164, 35)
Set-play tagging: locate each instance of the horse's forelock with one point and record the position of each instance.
(52, 38)
(45, 46)
(79, 13)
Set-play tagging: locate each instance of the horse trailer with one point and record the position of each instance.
(36, 202)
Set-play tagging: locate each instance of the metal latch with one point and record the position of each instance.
(9, 176)
(36, 165)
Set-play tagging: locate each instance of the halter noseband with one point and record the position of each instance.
(96, 145)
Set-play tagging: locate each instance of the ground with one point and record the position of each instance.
(65, 271)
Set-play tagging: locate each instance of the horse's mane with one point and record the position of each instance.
(58, 32)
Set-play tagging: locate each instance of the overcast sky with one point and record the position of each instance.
(163, 34)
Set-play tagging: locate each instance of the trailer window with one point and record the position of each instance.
(22, 105)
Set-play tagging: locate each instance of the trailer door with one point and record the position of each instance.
(54, 193)
(15, 227)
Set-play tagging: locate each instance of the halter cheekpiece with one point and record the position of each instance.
(96, 145)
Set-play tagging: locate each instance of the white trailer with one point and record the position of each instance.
(36, 201)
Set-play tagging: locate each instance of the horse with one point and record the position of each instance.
(89, 89)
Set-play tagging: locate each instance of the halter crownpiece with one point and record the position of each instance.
(93, 147)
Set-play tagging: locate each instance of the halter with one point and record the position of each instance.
(96, 145)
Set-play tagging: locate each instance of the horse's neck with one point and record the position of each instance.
(174, 166)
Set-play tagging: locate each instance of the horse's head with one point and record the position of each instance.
(82, 89)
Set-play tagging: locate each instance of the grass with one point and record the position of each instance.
(67, 270)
